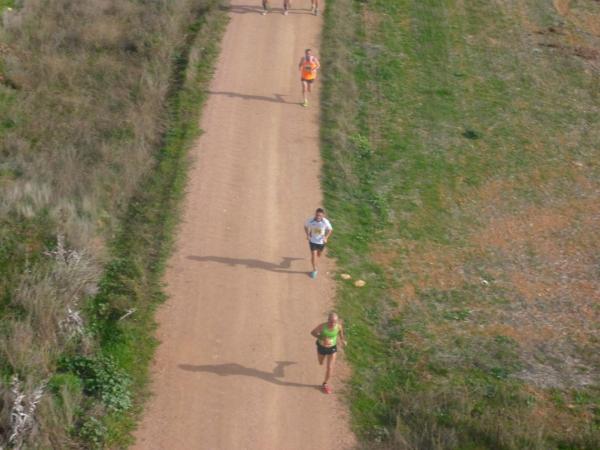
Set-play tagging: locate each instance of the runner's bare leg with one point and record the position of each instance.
(305, 87)
(329, 370)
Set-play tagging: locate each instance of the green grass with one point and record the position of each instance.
(6, 4)
(427, 104)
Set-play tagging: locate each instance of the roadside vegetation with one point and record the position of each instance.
(461, 169)
(99, 101)
(5, 4)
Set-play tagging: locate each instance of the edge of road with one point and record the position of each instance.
(140, 251)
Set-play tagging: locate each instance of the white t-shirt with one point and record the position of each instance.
(318, 229)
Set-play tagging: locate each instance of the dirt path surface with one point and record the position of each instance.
(236, 368)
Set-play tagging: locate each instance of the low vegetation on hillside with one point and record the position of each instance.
(98, 101)
(461, 146)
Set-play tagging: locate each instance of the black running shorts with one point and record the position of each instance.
(326, 350)
(316, 247)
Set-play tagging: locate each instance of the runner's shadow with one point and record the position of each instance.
(241, 9)
(283, 266)
(277, 98)
(257, 9)
(234, 369)
(306, 12)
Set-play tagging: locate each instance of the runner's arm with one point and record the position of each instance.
(317, 331)
(342, 334)
(307, 231)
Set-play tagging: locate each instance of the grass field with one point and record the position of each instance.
(461, 146)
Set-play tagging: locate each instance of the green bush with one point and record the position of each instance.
(93, 432)
(102, 378)
(65, 381)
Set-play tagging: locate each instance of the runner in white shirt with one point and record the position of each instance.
(318, 229)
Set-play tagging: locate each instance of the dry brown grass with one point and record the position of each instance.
(579, 34)
(546, 256)
(545, 260)
(90, 81)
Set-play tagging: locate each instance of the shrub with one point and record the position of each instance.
(102, 378)
(93, 432)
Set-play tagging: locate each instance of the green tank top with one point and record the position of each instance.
(332, 335)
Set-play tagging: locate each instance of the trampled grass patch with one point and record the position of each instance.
(460, 141)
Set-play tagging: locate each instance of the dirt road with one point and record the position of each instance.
(236, 368)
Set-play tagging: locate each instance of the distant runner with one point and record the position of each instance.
(327, 334)
(308, 66)
(287, 4)
(314, 7)
(318, 229)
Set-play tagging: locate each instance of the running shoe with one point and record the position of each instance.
(305, 103)
(313, 274)
(265, 11)
(327, 389)
(285, 13)
(316, 12)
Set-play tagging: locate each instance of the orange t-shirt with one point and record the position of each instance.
(308, 69)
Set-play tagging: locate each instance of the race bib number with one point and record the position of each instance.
(317, 231)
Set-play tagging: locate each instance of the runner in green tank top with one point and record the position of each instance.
(327, 338)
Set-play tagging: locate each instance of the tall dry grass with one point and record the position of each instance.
(89, 83)
(92, 79)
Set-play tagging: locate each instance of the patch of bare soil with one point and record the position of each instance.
(587, 53)
(431, 265)
(562, 6)
(544, 261)
(581, 31)
(546, 258)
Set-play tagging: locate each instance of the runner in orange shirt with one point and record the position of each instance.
(308, 67)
